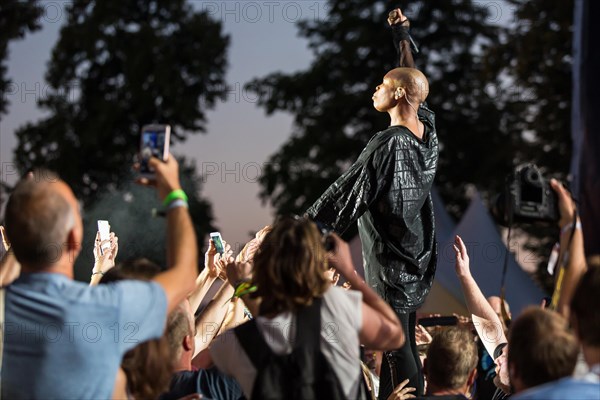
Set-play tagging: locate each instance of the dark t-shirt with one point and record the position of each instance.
(210, 383)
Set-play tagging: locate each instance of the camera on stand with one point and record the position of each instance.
(528, 197)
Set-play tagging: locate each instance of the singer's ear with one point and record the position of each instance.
(399, 93)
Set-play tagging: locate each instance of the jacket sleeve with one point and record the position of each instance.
(352, 193)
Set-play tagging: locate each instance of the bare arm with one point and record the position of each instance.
(209, 323)
(179, 279)
(10, 269)
(104, 260)
(576, 263)
(214, 266)
(477, 304)
(400, 25)
(381, 329)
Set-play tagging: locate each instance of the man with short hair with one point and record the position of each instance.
(450, 367)
(585, 319)
(451, 364)
(65, 339)
(541, 349)
(211, 383)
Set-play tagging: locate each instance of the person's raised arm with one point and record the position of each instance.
(477, 304)
(178, 280)
(381, 329)
(402, 40)
(571, 242)
(10, 269)
(104, 260)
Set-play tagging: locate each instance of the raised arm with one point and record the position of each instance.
(402, 41)
(10, 269)
(178, 280)
(477, 304)
(571, 242)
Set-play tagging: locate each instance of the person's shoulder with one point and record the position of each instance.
(337, 293)
(390, 136)
(341, 303)
(564, 388)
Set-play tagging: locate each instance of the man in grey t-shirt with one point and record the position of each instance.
(64, 339)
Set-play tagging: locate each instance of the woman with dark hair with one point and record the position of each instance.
(287, 276)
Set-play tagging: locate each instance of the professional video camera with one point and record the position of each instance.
(527, 197)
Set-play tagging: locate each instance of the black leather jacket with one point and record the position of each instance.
(388, 191)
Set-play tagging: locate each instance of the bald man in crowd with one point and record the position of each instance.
(387, 190)
(65, 339)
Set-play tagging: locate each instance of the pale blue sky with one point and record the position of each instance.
(239, 136)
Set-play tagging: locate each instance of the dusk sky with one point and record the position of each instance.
(239, 136)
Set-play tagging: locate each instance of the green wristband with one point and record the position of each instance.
(174, 195)
(243, 289)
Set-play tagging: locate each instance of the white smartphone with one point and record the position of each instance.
(154, 143)
(218, 241)
(104, 231)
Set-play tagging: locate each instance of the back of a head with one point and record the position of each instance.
(451, 357)
(585, 308)
(413, 81)
(180, 323)
(541, 348)
(38, 220)
(289, 266)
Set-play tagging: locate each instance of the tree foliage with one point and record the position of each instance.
(118, 65)
(333, 111)
(140, 231)
(17, 17)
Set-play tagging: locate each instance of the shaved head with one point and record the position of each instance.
(39, 216)
(412, 81)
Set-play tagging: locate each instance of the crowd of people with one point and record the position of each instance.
(279, 324)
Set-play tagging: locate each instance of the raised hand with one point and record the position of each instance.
(566, 205)
(104, 259)
(402, 392)
(167, 176)
(396, 17)
(333, 276)
(462, 258)
(340, 258)
(5, 242)
(238, 272)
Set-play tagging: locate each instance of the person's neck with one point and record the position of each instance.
(406, 117)
(60, 268)
(433, 390)
(185, 362)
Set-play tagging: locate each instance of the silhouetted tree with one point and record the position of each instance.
(17, 17)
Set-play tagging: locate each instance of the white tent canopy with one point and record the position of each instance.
(486, 252)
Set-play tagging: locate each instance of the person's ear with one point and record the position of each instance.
(73, 242)
(399, 93)
(187, 342)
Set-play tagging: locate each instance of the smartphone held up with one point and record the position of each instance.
(218, 241)
(104, 234)
(154, 142)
